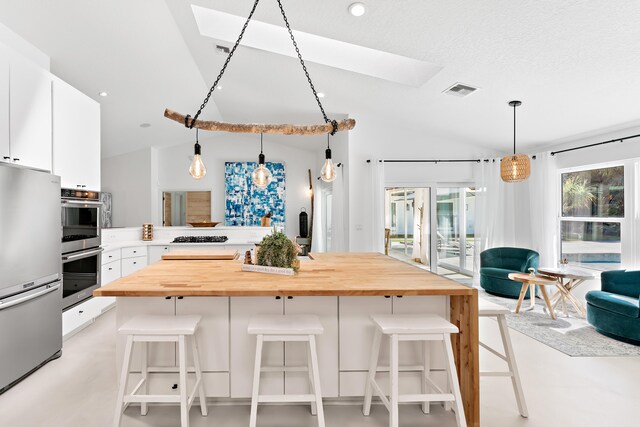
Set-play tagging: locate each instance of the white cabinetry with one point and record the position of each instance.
(29, 114)
(76, 137)
(212, 334)
(243, 346)
(5, 152)
(156, 252)
(356, 336)
(133, 259)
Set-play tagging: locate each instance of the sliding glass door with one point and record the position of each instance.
(455, 213)
(407, 219)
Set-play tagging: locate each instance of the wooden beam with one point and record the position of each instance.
(283, 129)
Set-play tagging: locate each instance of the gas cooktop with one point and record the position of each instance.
(200, 239)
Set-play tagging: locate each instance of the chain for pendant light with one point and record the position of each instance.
(334, 123)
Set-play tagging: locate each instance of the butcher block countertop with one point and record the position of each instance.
(338, 274)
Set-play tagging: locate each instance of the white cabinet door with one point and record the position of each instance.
(326, 308)
(134, 251)
(243, 347)
(156, 252)
(131, 265)
(76, 137)
(110, 272)
(110, 256)
(213, 332)
(5, 151)
(410, 352)
(160, 354)
(356, 331)
(30, 114)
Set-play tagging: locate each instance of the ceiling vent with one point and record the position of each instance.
(460, 90)
(222, 49)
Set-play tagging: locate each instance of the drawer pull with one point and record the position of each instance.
(81, 311)
(167, 297)
(110, 268)
(134, 262)
(174, 387)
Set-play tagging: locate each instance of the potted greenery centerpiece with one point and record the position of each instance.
(276, 254)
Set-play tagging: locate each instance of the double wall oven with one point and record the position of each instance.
(81, 252)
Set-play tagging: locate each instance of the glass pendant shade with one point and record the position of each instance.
(515, 168)
(328, 172)
(197, 168)
(261, 176)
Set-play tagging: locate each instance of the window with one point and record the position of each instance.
(592, 217)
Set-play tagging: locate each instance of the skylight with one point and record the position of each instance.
(321, 50)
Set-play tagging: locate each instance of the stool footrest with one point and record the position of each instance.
(284, 369)
(152, 398)
(496, 374)
(446, 397)
(288, 398)
(493, 351)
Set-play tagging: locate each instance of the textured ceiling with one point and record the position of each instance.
(574, 64)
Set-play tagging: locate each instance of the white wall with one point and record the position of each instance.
(374, 139)
(128, 178)
(173, 164)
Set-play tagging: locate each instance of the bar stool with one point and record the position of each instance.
(425, 328)
(489, 309)
(302, 328)
(146, 329)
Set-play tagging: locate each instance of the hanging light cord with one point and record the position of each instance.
(514, 128)
(261, 143)
(224, 67)
(328, 140)
(334, 123)
(197, 142)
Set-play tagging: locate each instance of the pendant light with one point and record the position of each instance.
(261, 176)
(328, 172)
(197, 168)
(516, 167)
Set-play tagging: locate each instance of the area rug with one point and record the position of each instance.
(572, 335)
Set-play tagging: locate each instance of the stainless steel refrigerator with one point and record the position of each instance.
(30, 272)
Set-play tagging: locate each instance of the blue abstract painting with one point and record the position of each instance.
(245, 203)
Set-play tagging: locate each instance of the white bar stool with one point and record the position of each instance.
(146, 329)
(301, 328)
(489, 309)
(424, 328)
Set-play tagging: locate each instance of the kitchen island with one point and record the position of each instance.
(343, 289)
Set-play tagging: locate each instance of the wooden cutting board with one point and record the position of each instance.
(185, 255)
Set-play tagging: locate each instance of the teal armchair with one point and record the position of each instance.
(497, 263)
(615, 309)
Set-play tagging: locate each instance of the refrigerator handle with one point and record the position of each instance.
(48, 289)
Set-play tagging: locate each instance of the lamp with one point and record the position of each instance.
(197, 168)
(516, 167)
(261, 176)
(328, 172)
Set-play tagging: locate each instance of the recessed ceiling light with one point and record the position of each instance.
(219, 87)
(357, 9)
(145, 125)
(103, 94)
(320, 94)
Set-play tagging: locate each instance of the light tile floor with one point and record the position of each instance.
(79, 390)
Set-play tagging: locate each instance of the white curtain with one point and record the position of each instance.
(520, 214)
(544, 200)
(319, 236)
(421, 229)
(495, 211)
(377, 208)
(338, 220)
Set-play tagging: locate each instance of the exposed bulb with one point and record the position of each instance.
(261, 176)
(197, 168)
(328, 172)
